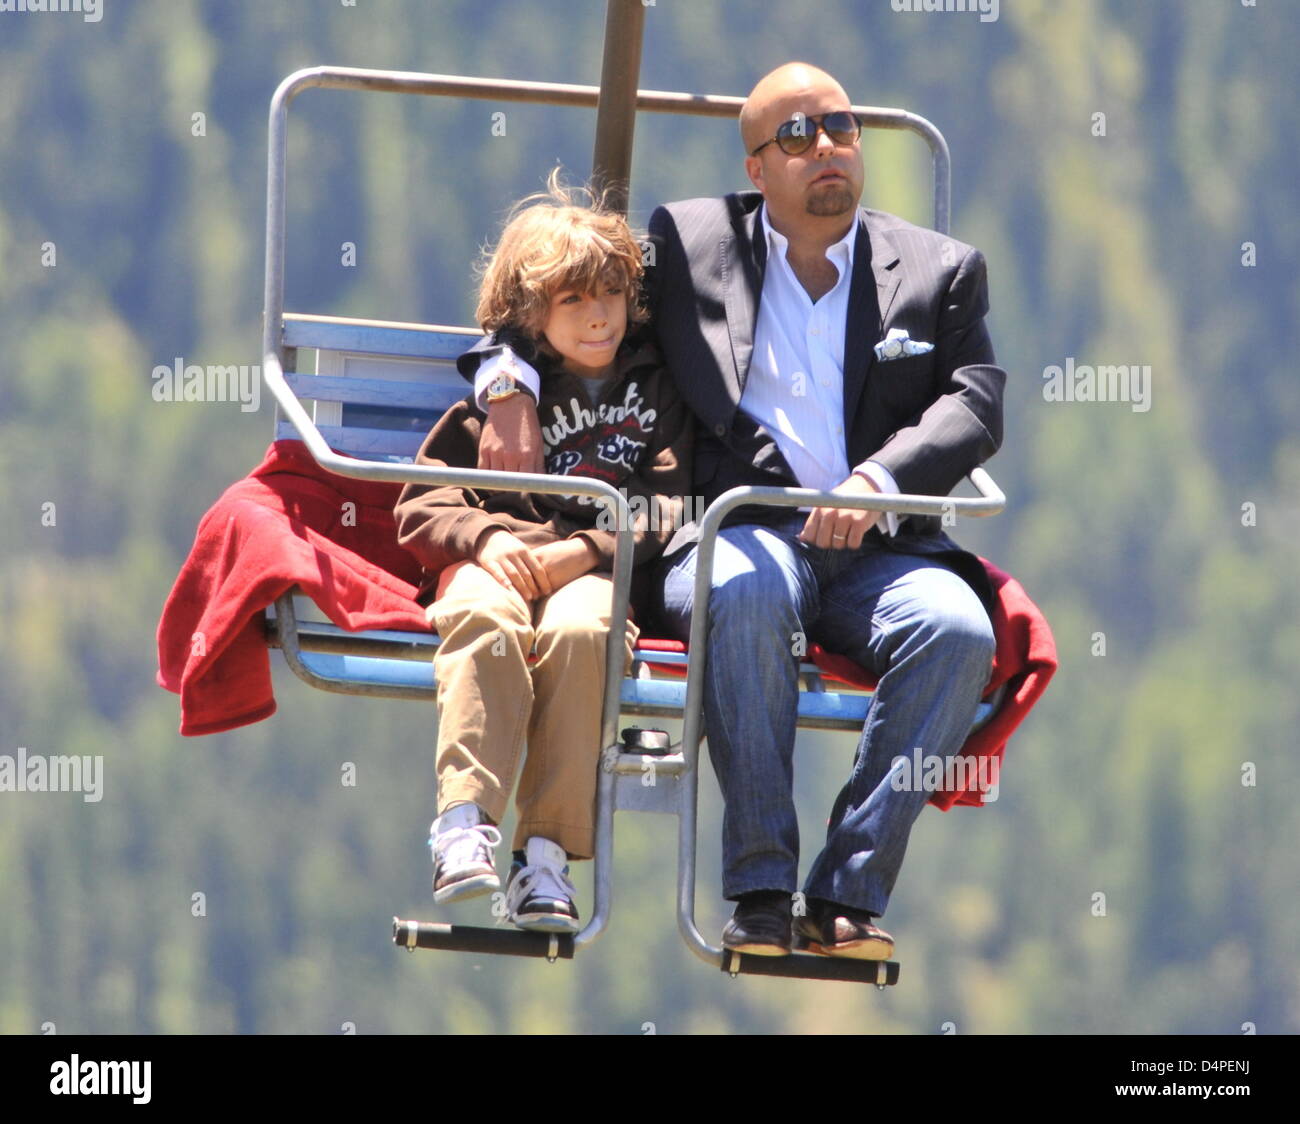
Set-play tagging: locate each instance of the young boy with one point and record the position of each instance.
(509, 571)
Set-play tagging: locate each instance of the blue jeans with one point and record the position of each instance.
(907, 618)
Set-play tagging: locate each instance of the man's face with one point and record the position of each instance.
(824, 182)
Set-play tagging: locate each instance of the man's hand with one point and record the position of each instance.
(566, 560)
(840, 528)
(511, 440)
(513, 564)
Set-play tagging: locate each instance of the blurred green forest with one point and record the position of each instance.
(1170, 533)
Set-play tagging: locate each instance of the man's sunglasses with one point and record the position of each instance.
(799, 134)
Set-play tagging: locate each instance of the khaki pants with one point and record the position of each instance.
(490, 701)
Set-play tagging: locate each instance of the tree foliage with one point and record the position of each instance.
(1127, 879)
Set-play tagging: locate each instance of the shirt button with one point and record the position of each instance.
(720, 430)
(826, 382)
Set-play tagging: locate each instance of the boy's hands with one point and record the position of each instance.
(514, 565)
(535, 571)
(566, 560)
(511, 438)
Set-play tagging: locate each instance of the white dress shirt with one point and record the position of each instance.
(795, 385)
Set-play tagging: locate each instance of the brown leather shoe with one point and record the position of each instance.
(760, 926)
(828, 929)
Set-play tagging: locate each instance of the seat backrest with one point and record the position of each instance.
(379, 386)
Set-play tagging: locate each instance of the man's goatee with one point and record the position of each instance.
(836, 200)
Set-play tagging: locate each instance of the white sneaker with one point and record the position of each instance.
(462, 845)
(539, 894)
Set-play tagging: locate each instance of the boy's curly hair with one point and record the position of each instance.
(562, 238)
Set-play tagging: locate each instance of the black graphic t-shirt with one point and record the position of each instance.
(635, 433)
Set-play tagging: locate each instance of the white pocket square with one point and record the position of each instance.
(897, 344)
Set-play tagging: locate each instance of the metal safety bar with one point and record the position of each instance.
(990, 502)
(612, 500)
(545, 93)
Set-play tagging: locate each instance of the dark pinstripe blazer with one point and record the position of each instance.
(928, 418)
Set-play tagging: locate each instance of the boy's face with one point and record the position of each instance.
(585, 329)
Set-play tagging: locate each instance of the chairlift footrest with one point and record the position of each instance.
(467, 938)
(805, 966)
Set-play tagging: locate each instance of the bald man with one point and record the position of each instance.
(822, 345)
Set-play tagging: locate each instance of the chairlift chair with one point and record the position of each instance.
(379, 386)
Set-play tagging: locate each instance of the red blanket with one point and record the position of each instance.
(1024, 662)
(290, 522)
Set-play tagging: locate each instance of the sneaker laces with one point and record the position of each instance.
(544, 881)
(462, 846)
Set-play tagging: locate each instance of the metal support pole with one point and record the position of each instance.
(611, 162)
